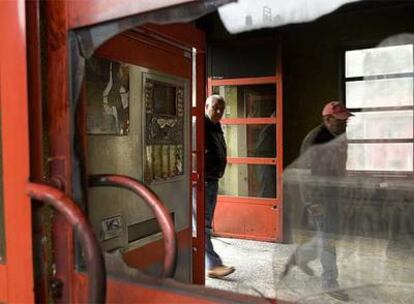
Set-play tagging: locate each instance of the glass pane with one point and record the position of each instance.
(380, 157)
(361, 225)
(194, 210)
(107, 90)
(250, 140)
(249, 180)
(194, 133)
(379, 61)
(379, 93)
(249, 100)
(381, 125)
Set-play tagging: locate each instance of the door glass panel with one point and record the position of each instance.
(249, 180)
(381, 125)
(250, 140)
(379, 93)
(380, 157)
(248, 100)
(380, 60)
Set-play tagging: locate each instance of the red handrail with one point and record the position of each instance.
(74, 215)
(156, 205)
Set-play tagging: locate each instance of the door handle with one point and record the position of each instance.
(77, 219)
(157, 207)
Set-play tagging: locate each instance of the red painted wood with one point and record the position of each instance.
(232, 217)
(83, 13)
(252, 160)
(16, 276)
(181, 33)
(58, 116)
(152, 253)
(150, 54)
(3, 283)
(250, 200)
(243, 81)
(36, 144)
(156, 291)
(199, 240)
(252, 221)
(279, 138)
(249, 121)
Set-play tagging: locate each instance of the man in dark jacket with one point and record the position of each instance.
(326, 162)
(214, 166)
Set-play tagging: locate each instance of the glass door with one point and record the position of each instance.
(250, 193)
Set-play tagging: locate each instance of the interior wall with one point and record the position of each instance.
(312, 62)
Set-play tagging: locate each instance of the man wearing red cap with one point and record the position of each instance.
(334, 118)
(319, 201)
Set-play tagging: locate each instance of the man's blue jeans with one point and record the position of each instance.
(211, 191)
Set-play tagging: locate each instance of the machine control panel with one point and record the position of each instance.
(164, 123)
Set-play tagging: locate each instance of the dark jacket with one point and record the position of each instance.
(215, 151)
(325, 154)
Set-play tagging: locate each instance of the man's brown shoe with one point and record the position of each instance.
(220, 271)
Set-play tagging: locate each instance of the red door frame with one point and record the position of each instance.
(276, 203)
(16, 271)
(63, 16)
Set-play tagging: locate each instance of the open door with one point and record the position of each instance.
(16, 265)
(250, 193)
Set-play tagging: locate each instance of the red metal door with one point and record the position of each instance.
(16, 265)
(250, 194)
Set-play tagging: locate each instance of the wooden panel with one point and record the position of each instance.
(247, 221)
(244, 81)
(182, 33)
(149, 54)
(251, 160)
(3, 283)
(161, 291)
(249, 121)
(153, 253)
(83, 13)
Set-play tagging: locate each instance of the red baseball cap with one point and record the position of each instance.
(337, 110)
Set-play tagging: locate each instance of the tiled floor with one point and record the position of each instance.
(371, 271)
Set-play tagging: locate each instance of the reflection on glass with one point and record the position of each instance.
(354, 233)
(379, 93)
(248, 101)
(194, 133)
(381, 125)
(172, 160)
(380, 60)
(157, 161)
(165, 158)
(380, 157)
(250, 140)
(194, 161)
(249, 180)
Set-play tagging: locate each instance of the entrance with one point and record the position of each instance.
(250, 197)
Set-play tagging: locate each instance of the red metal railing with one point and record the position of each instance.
(74, 215)
(156, 205)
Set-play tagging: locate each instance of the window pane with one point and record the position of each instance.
(194, 133)
(379, 93)
(381, 125)
(250, 140)
(248, 101)
(378, 61)
(249, 180)
(380, 157)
